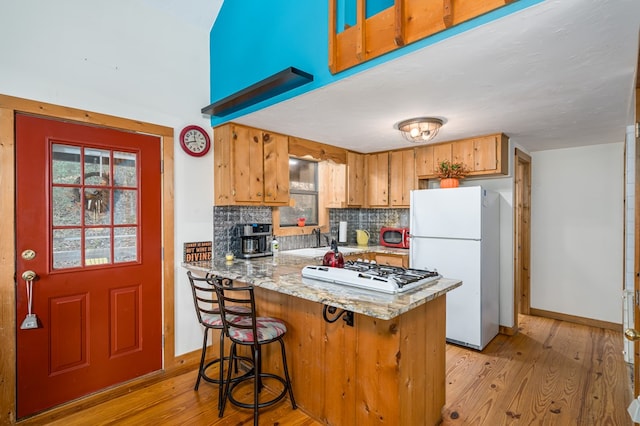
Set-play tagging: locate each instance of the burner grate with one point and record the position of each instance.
(371, 276)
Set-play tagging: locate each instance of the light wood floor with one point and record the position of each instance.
(551, 373)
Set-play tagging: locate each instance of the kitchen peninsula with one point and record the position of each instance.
(388, 368)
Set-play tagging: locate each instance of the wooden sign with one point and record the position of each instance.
(197, 251)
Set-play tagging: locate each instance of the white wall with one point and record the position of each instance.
(127, 59)
(577, 231)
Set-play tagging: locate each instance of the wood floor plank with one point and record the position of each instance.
(549, 373)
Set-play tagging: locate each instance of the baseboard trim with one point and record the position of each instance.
(576, 319)
(185, 363)
(508, 331)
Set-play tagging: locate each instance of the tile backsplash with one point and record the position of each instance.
(225, 218)
(369, 219)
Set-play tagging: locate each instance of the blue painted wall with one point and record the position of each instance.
(252, 40)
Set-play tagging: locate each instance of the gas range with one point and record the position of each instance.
(371, 276)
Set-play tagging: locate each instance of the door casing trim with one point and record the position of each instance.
(9, 106)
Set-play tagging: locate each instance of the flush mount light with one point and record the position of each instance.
(420, 130)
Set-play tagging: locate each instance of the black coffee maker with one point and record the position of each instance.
(255, 240)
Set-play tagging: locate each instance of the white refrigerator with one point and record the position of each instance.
(456, 231)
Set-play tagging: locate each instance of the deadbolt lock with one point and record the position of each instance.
(28, 254)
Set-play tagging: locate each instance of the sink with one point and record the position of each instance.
(320, 251)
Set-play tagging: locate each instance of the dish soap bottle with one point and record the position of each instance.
(275, 246)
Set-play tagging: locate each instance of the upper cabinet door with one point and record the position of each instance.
(276, 168)
(248, 165)
(355, 179)
(378, 179)
(402, 176)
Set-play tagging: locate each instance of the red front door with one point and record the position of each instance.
(88, 224)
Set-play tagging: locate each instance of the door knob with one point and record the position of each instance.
(29, 275)
(631, 334)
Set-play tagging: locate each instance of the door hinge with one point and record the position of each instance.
(162, 253)
(161, 166)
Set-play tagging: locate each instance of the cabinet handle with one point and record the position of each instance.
(259, 194)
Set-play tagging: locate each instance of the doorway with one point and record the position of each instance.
(522, 231)
(88, 232)
(9, 278)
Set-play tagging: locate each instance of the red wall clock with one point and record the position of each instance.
(195, 141)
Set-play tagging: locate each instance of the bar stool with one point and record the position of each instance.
(208, 312)
(246, 329)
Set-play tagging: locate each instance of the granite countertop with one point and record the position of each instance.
(282, 273)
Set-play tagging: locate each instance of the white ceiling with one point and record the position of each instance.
(558, 74)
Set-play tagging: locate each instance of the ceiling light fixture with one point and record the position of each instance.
(420, 130)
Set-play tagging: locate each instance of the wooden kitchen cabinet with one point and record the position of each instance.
(355, 179)
(359, 256)
(425, 165)
(484, 155)
(401, 260)
(402, 177)
(429, 156)
(332, 177)
(378, 179)
(353, 375)
(251, 166)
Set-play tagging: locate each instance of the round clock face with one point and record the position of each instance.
(195, 141)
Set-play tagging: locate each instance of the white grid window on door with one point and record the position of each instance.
(95, 206)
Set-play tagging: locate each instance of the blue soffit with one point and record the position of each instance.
(280, 82)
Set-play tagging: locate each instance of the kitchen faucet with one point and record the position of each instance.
(318, 232)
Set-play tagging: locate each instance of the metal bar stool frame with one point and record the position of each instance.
(208, 313)
(247, 329)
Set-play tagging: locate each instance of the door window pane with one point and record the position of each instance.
(125, 244)
(96, 166)
(67, 248)
(96, 203)
(126, 207)
(125, 169)
(65, 164)
(97, 242)
(66, 209)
